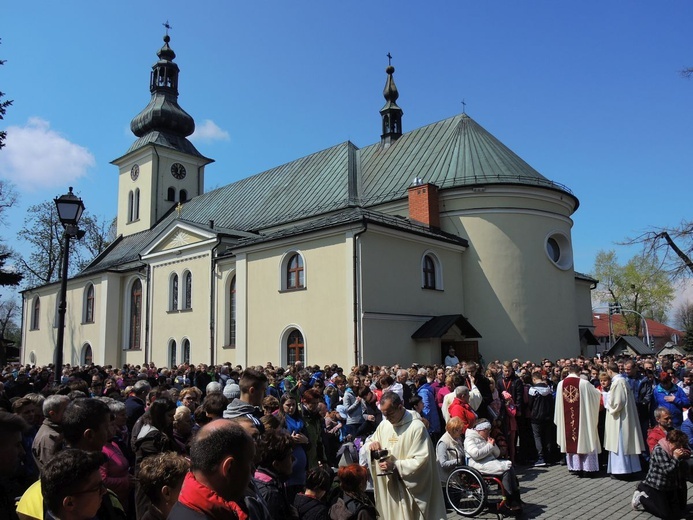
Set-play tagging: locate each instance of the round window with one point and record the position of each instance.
(559, 251)
(553, 249)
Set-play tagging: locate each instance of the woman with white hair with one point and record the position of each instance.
(483, 453)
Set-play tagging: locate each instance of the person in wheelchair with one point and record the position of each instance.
(482, 454)
(449, 449)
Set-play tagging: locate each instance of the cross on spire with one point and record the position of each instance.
(389, 59)
(168, 26)
(464, 106)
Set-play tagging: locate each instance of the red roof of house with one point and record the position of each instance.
(656, 329)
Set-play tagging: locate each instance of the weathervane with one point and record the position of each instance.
(389, 59)
(167, 27)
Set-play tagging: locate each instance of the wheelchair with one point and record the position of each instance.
(469, 492)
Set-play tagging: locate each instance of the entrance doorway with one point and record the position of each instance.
(466, 350)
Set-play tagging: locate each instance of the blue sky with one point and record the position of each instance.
(588, 93)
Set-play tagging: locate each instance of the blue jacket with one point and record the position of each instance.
(430, 410)
(676, 406)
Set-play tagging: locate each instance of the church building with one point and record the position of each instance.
(389, 253)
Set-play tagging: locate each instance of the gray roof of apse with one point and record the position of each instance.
(454, 152)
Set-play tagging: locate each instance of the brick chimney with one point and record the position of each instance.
(423, 204)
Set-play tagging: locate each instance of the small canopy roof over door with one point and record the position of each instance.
(438, 326)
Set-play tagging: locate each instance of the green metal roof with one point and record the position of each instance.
(455, 152)
(451, 153)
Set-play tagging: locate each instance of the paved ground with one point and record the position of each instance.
(551, 492)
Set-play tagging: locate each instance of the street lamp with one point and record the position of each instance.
(70, 209)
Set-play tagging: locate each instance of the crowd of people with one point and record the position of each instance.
(193, 442)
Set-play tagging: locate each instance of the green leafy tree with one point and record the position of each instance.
(641, 285)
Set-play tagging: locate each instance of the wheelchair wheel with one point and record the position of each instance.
(466, 491)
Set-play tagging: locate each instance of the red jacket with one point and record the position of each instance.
(463, 411)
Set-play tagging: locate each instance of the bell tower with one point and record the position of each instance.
(162, 167)
(391, 114)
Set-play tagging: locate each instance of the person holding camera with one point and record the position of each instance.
(663, 492)
(403, 466)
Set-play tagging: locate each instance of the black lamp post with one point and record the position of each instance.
(70, 208)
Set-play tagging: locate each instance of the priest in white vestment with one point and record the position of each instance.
(405, 482)
(576, 417)
(622, 433)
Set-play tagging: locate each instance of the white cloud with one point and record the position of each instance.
(209, 131)
(36, 157)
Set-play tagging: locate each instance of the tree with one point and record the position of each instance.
(99, 235)
(640, 285)
(684, 320)
(684, 315)
(10, 332)
(3, 110)
(44, 233)
(673, 245)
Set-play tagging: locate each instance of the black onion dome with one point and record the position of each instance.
(390, 92)
(163, 114)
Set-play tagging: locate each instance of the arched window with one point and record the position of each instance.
(130, 206)
(232, 313)
(87, 355)
(135, 314)
(136, 205)
(186, 350)
(172, 353)
(89, 304)
(171, 194)
(431, 272)
(35, 313)
(294, 272)
(173, 293)
(187, 296)
(294, 347)
(183, 196)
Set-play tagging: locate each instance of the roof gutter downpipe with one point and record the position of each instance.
(357, 290)
(212, 287)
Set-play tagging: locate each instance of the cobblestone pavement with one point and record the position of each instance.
(551, 492)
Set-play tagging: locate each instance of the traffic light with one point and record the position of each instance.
(614, 308)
